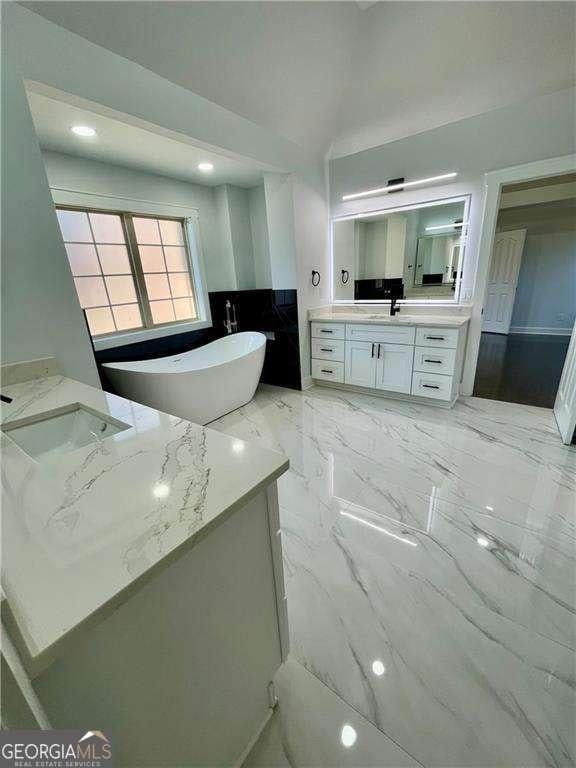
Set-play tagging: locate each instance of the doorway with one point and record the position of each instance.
(530, 304)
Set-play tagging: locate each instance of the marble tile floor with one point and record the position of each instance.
(430, 568)
(313, 728)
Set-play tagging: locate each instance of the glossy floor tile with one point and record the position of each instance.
(430, 568)
(313, 728)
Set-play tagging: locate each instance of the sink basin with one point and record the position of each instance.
(54, 433)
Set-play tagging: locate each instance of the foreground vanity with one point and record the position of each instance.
(142, 572)
(419, 357)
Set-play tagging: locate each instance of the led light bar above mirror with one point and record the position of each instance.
(401, 186)
(409, 253)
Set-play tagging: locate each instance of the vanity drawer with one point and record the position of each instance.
(434, 360)
(387, 334)
(432, 385)
(328, 330)
(326, 349)
(437, 337)
(328, 370)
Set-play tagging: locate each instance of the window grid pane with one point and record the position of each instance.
(166, 269)
(98, 255)
(97, 250)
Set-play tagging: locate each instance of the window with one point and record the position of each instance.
(131, 272)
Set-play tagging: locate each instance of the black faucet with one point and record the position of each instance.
(394, 308)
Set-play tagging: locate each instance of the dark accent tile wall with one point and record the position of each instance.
(266, 310)
(275, 312)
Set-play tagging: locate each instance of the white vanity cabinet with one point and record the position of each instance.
(380, 366)
(394, 367)
(395, 358)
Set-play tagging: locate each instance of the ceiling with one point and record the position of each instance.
(121, 143)
(549, 181)
(543, 218)
(281, 65)
(341, 76)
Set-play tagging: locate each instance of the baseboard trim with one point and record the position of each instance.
(415, 399)
(541, 330)
(241, 759)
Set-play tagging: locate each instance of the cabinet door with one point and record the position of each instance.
(360, 363)
(394, 367)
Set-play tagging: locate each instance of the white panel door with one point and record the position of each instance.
(565, 405)
(360, 366)
(394, 367)
(503, 280)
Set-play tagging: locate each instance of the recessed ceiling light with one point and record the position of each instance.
(483, 541)
(206, 167)
(83, 130)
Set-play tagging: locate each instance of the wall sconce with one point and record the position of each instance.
(392, 187)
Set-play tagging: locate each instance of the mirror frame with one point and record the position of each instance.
(466, 199)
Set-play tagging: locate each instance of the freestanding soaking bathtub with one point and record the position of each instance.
(200, 385)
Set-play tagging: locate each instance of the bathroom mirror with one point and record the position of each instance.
(412, 252)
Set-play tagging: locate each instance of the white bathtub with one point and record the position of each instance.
(199, 385)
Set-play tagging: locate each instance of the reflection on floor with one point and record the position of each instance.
(430, 568)
(342, 738)
(520, 368)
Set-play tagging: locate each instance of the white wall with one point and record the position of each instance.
(546, 292)
(280, 217)
(41, 315)
(260, 241)
(234, 224)
(227, 278)
(100, 180)
(538, 129)
(344, 244)
(311, 242)
(241, 234)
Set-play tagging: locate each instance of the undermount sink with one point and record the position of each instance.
(54, 433)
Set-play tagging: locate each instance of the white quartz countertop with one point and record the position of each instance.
(81, 530)
(442, 321)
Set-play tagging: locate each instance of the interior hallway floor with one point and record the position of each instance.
(520, 368)
(430, 570)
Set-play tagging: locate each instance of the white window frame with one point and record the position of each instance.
(135, 207)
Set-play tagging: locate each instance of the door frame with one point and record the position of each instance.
(494, 181)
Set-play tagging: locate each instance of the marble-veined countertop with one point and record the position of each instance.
(81, 530)
(402, 318)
